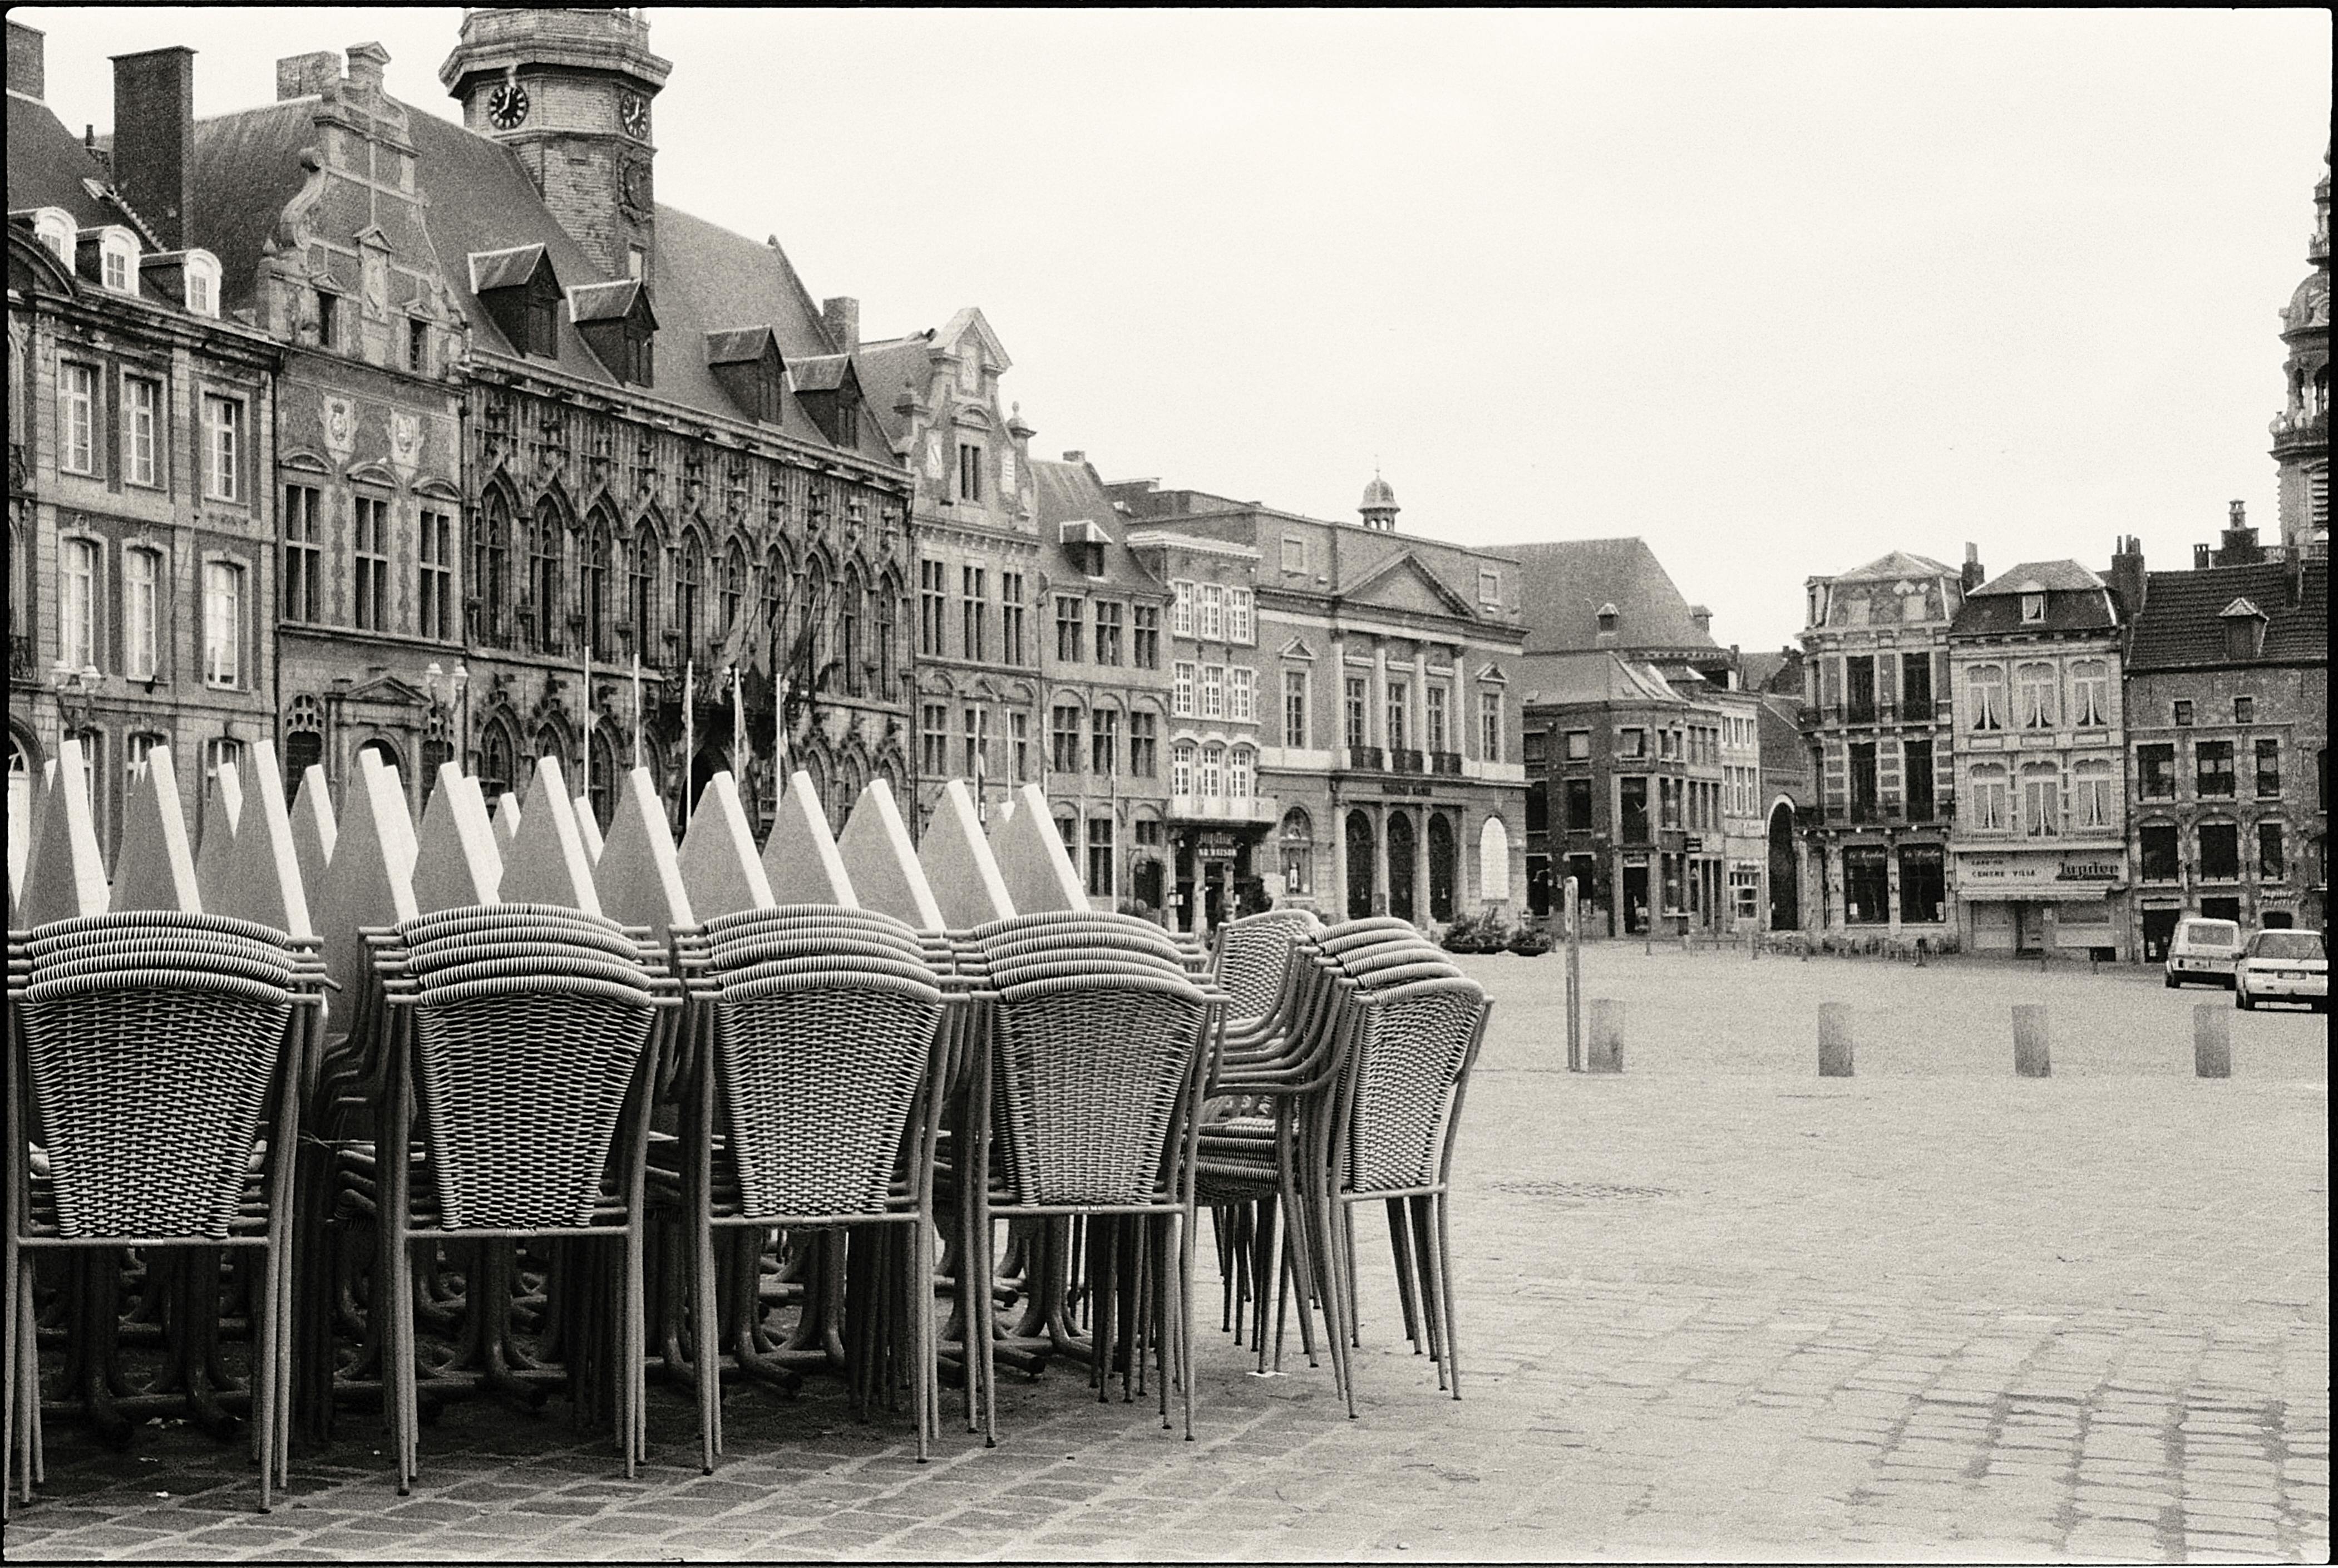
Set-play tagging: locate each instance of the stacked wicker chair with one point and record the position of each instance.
(153, 1064)
(518, 1048)
(1083, 1099)
(1365, 1060)
(819, 1040)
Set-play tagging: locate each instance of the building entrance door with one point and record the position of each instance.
(2028, 928)
(1635, 900)
(2159, 930)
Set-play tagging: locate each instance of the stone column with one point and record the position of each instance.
(1464, 710)
(1421, 912)
(1379, 860)
(1376, 721)
(1421, 699)
(1337, 902)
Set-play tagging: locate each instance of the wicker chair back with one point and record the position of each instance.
(1405, 1068)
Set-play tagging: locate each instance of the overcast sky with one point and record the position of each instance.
(1777, 291)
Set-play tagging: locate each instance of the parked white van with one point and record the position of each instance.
(2204, 950)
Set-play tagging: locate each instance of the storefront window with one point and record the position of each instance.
(2220, 851)
(1923, 884)
(1866, 885)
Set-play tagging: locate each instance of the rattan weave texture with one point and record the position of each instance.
(1406, 1066)
(1088, 1079)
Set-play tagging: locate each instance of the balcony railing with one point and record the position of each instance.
(1448, 763)
(1366, 758)
(1246, 809)
(1404, 759)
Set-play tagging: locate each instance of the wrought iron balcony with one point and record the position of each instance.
(1448, 763)
(1368, 759)
(1404, 759)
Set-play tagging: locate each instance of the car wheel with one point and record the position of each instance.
(2172, 983)
(2241, 999)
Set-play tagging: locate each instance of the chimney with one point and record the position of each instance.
(843, 318)
(2199, 557)
(366, 64)
(2129, 580)
(2239, 546)
(307, 75)
(1075, 457)
(1972, 576)
(1702, 619)
(2296, 575)
(28, 67)
(154, 133)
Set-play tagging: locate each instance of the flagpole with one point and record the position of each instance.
(737, 724)
(689, 728)
(584, 742)
(637, 708)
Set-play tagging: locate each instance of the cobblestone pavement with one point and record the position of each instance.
(1715, 1308)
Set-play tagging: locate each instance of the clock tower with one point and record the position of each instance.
(569, 89)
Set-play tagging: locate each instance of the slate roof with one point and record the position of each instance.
(1071, 492)
(2075, 601)
(47, 163)
(708, 279)
(1895, 566)
(1568, 579)
(1595, 675)
(493, 269)
(885, 368)
(2182, 624)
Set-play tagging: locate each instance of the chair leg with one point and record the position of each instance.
(1348, 1251)
(704, 1340)
(20, 1375)
(1407, 1282)
(1185, 1315)
(1262, 1255)
(1424, 1247)
(1445, 1291)
(265, 1374)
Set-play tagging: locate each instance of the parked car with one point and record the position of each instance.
(2284, 967)
(2202, 949)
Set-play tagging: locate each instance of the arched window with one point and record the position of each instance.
(642, 597)
(2090, 693)
(1990, 811)
(817, 605)
(1298, 843)
(490, 569)
(386, 752)
(1238, 772)
(1180, 767)
(2042, 799)
(1401, 850)
(498, 757)
(1214, 770)
(890, 616)
(593, 584)
(20, 810)
(552, 741)
(601, 790)
(304, 742)
(2035, 686)
(1985, 697)
(2095, 802)
(777, 581)
(548, 560)
(734, 587)
(1494, 860)
(1361, 856)
(689, 586)
(848, 612)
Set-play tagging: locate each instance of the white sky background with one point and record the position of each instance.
(1777, 291)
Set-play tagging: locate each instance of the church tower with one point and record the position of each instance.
(569, 89)
(2301, 431)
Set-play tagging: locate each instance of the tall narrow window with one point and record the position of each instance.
(77, 418)
(1213, 780)
(1104, 743)
(142, 588)
(77, 604)
(933, 738)
(1490, 724)
(592, 585)
(1065, 739)
(435, 586)
(969, 472)
(1238, 772)
(642, 597)
(1241, 694)
(1068, 622)
(932, 607)
(1100, 856)
(1238, 615)
(2041, 801)
(1183, 676)
(2036, 695)
(1144, 743)
(1181, 609)
(2268, 759)
(1985, 696)
(369, 559)
(142, 420)
(1437, 721)
(1990, 813)
(223, 449)
(2273, 864)
(1107, 631)
(975, 722)
(688, 585)
(1400, 715)
(2213, 769)
(1212, 625)
(2096, 802)
(1294, 707)
(1010, 618)
(974, 612)
(303, 553)
(222, 623)
(1181, 768)
(1145, 636)
(1213, 691)
(1359, 733)
(1019, 738)
(734, 587)
(2090, 698)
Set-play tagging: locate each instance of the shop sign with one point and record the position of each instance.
(1640, 860)
(1987, 874)
(1213, 847)
(1695, 844)
(1424, 791)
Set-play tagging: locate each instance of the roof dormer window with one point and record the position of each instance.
(202, 278)
(2033, 608)
(522, 298)
(54, 228)
(115, 261)
(748, 366)
(2244, 629)
(617, 324)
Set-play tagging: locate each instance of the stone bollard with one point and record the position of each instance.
(1606, 1053)
(2030, 1057)
(1834, 1039)
(2211, 1040)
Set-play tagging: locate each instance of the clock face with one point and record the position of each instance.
(634, 113)
(508, 105)
(634, 184)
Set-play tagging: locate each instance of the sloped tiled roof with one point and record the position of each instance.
(2182, 624)
(1071, 492)
(1593, 676)
(1568, 579)
(494, 269)
(246, 167)
(886, 367)
(1898, 564)
(2075, 601)
(47, 163)
(738, 346)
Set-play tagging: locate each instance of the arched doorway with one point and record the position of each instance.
(20, 810)
(1494, 861)
(1441, 867)
(1785, 879)
(1401, 902)
(712, 757)
(1360, 865)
